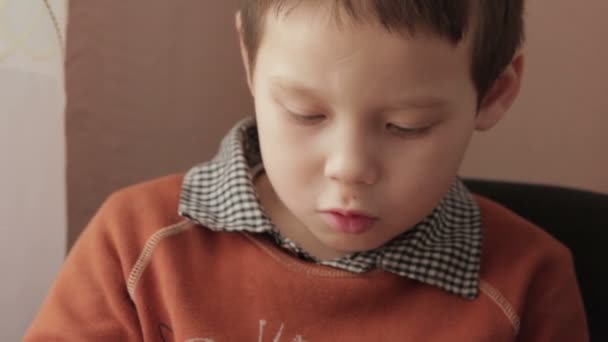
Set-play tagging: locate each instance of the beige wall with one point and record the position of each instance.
(557, 131)
(32, 161)
(153, 85)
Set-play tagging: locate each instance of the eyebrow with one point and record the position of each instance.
(293, 87)
(419, 102)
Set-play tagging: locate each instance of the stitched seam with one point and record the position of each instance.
(502, 303)
(146, 254)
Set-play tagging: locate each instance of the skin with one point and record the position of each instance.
(358, 118)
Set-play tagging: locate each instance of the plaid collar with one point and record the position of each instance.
(443, 250)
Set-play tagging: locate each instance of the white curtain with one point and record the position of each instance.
(32, 157)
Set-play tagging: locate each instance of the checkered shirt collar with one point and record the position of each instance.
(443, 250)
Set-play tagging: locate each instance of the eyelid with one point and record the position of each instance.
(303, 118)
(411, 131)
(297, 107)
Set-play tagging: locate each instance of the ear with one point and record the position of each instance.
(501, 96)
(244, 52)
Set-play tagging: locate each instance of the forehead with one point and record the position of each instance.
(308, 44)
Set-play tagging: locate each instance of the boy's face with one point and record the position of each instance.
(357, 118)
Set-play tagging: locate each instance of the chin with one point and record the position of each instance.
(351, 245)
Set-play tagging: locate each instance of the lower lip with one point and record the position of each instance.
(348, 224)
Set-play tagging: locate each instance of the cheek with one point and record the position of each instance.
(446, 148)
(291, 162)
(426, 170)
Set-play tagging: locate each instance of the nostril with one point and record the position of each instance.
(347, 198)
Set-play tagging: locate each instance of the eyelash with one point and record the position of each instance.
(409, 132)
(306, 119)
(405, 132)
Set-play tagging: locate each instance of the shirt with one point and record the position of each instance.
(141, 272)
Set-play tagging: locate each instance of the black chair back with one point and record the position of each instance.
(579, 219)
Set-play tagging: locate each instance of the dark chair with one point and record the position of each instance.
(579, 219)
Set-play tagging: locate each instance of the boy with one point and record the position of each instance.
(336, 214)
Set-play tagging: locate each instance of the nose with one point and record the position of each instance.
(351, 160)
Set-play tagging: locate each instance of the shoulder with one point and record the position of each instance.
(519, 260)
(132, 215)
(163, 189)
(155, 199)
(510, 238)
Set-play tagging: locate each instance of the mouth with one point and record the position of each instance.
(350, 213)
(348, 221)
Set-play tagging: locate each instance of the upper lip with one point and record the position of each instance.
(352, 213)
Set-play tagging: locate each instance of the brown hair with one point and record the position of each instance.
(498, 25)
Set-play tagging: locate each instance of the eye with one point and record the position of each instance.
(407, 132)
(305, 119)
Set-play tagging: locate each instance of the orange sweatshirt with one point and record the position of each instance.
(141, 272)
